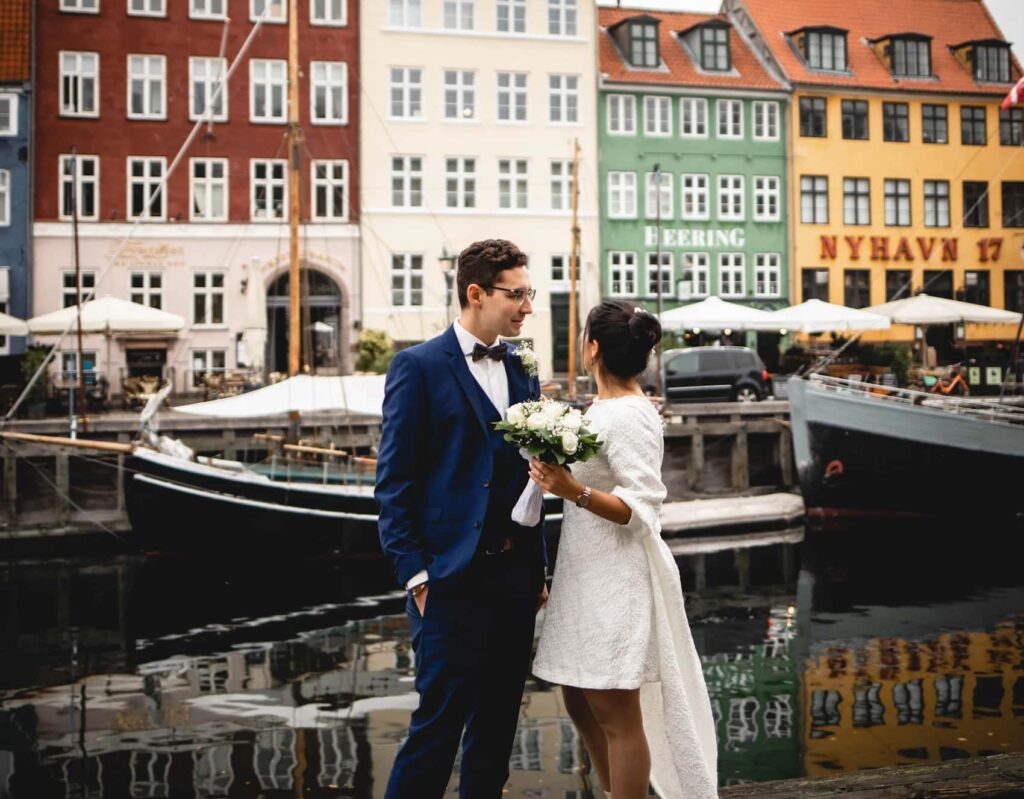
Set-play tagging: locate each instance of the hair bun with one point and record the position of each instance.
(644, 326)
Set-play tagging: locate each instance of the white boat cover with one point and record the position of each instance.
(923, 309)
(361, 395)
(108, 315)
(816, 316)
(714, 313)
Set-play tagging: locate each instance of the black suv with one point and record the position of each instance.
(711, 374)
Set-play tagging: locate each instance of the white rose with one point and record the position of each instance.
(573, 421)
(554, 411)
(570, 442)
(537, 421)
(515, 416)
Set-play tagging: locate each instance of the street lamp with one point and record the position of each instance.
(447, 263)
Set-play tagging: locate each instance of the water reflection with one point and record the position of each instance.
(160, 678)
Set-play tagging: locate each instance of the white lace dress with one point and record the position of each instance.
(616, 618)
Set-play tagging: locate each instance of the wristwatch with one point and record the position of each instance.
(583, 499)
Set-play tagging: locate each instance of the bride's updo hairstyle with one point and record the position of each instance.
(625, 334)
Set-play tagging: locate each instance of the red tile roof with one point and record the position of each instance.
(680, 70)
(15, 40)
(948, 22)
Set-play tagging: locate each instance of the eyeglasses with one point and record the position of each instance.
(518, 296)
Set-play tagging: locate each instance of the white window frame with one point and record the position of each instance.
(329, 19)
(730, 130)
(200, 9)
(258, 210)
(274, 79)
(624, 262)
(697, 194)
(561, 184)
(148, 182)
(215, 69)
(693, 117)
(698, 264)
(410, 13)
(730, 189)
(657, 108)
(329, 182)
(201, 362)
(818, 216)
(410, 93)
(209, 291)
(154, 70)
(621, 109)
(861, 205)
(458, 15)
(278, 14)
(459, 93)
(766, 120)
(730, 266)
(329, 77)
(411, 181)
(513, 183)
(936, 203)
(80, 6)
(11, 100)
(622, 195)
(767, 190)
(563, 101)
(464, 180)
(68, 287)
(514, 95)
(151, 8)
(563, 18)
(69, 360)
(667, 196)
(82, 182)
(767, 274)
(79, 75)
(515, 16)
(208, 186)
(406, 268)
(668, 274)
(5, 197)
(898, 213)
(559, 285)
(147, 292)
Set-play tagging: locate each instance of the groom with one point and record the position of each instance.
(446, 486)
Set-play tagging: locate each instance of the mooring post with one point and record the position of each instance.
(11, 485)
(120, 484)
(740, 461)
(696, 471)
(786, 456)
(63, 479)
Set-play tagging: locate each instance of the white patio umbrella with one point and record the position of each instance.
(12, 326)
(108, 315)
(924, 310)
(715, 313)
(816, 316)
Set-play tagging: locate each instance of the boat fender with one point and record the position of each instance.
(834, 469)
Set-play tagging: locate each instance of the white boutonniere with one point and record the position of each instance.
(527, 357)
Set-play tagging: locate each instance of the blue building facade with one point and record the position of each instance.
(15, 207)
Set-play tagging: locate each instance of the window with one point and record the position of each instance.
(693, 117)
(268, 86)
(814, 284)
(268, 10)
(511, 16)
(658, 116)
(145, 194)
(207, 9)
(204, 77)
(766, 120)
(146, 288)
(897, 203)
(147, 86)
(936, 203)
(559, 271)
(767, 274)
(1013, 203)
(662, 187)
(328, 12)
(459, 94)
(814, 199)
(460, 182)
(69, 363)
(714, 48)
(405, 14)
(8, 115)
(147, 8)
(209, 190)
(406, 181)
(767, 192)
(855, 119)
(812, 117)
(622, 274)
(977, 288)
(269, 197)
(562, 17)
(328, 94)
(856, 288)
(406, 93)
(975, 203)
(695, 199)
(81, 6)
(5, 197)
(621, 114)
(730, 119)
(696, 275)
(85, 190)
(330, 190)
(563, 98)
(512, 96)
(622, 195)
(667, 273)
(205, 362)
(79, 84)
(934, 124)
(730, 197)
(1011, 123)
(643, 44)
(910, 58)
(825, 50)
(992, 63)
(895, 122)
(972, 124)
(1013, 290)
(856, 201)
(458, 15)
(69, 294)
(512, 183)
(730, 274)
(406, 279)
(897, 284)
(207, 298)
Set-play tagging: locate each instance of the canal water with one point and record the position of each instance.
(166, 677)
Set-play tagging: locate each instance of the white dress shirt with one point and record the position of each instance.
(492, 378)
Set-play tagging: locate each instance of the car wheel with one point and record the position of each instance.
(746, 394)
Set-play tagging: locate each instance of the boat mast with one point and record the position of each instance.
(78, 296)
(294, 199)
(573, 266)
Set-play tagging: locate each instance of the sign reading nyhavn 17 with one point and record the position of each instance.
(687, 237)
(880, 248)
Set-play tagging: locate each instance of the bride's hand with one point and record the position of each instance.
(555, 480)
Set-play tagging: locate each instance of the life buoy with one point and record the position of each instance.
(834, 469)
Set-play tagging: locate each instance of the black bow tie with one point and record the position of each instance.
(495, 353)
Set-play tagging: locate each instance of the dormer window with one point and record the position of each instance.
(991, 62)
(643, 44)
(714, 48)
(910, 57)
(825, 49)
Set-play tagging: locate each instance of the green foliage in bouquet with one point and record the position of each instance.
(550, 431)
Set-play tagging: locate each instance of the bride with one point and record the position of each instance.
(615, 633)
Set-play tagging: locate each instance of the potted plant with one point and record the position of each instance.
(35, 402)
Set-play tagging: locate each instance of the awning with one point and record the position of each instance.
(715, 313)
(816, 316)
(924, 310)
(108, 315)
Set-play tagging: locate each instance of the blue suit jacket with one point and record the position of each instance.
(435, 459)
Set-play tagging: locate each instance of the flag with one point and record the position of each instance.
(1015, 96)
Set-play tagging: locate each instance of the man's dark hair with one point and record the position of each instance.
(481, 263)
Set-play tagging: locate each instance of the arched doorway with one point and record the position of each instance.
(322, 344)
